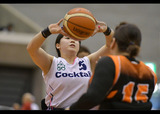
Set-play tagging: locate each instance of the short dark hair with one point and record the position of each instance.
(58, 39)
(84, 49)
(128, 38)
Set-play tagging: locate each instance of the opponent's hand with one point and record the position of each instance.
(100, 27)
(56, 29)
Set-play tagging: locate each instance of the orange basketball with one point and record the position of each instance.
(79, 23)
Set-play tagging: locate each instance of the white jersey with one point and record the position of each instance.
(65, 82)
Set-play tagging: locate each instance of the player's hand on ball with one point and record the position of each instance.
(56, 29)
(100, 27)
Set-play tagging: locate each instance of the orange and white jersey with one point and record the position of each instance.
(133, 82)
(119, 82)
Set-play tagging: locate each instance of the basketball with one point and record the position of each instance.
(79, 23)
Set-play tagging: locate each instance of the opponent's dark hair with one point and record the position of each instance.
(128, 38)
(84, 49)
(58, 39)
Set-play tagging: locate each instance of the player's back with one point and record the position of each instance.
(132, 87)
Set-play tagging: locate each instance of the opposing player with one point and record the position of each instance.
(83, 51)
(67, 76)
(120, 81)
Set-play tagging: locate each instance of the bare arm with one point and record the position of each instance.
(104, 50)
(42, 59)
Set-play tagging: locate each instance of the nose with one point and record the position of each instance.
(72, 41)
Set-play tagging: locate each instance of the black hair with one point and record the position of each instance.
(58, 39)
(84, 49)
(128, 38)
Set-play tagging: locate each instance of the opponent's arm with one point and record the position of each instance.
(100, 85)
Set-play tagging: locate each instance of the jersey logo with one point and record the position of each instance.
(60, 66)
(82, 65)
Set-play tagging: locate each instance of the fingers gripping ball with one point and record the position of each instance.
(79, 23)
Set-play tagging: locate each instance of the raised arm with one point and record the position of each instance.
(104, 50)
(42, 59)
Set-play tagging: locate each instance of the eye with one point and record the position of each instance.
(67, 38)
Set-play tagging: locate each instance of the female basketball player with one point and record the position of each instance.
(120, 81)
(67, 76)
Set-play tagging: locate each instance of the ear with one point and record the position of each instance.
(113, 43)
(58, 46)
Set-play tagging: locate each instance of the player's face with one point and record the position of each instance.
(69, 45)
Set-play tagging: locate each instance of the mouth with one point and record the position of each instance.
(72, 45)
